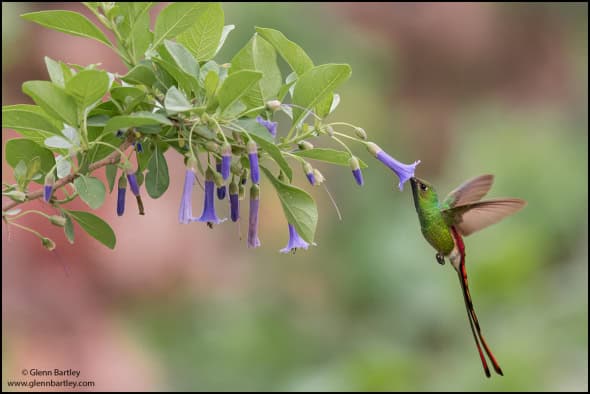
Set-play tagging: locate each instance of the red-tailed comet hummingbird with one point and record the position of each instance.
(461, 213)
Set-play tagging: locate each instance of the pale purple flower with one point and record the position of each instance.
(48, 187)
(234, 202)
(295, 241)
(270, 126)
(185, 212)
(403, 171)
(253, 158)
(121, 193)
(253, 241)
(209, 214)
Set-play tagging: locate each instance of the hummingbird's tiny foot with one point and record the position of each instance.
(440, 259)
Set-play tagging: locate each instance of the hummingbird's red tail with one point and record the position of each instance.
(471, 311)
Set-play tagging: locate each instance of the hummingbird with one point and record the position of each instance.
(444, 224)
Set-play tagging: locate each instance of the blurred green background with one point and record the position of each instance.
(466, 88)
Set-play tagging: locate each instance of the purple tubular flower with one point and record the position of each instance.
(295, 241)
(48, 187)
(225, 161)
(139, 147)
(356, 170)
(121, 191)
(253, 241)
(403, 171)
(253, 158)
(234, 202)
(185, 213)
(270, 126)
(209, 214)
(47, 191)
(133, 183)
(358, 176)
(220, 189)
(308, 169)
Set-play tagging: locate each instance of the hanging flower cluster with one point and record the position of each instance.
(222, 119)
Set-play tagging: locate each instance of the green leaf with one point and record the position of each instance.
(111, 174)
(128, 97)
(259, 55)
(91, 190)
(332, 156)
(95, 227)
(184, 82)
(68, 22)
(316, 84)
(135, 27)
(289, 51)
(224, 33)
(141, 74)
(210, 84)
(134, 120)
(275, 153)
(69, 229)
(55, 71)
(22, 149)
(157, 179)
(53, 100)
(204, 35)
(29, 122)
(255, 128)
(88, 87)
(298, 206)
(175, 101)
(175, 19)
(183, 58)
(235, 86)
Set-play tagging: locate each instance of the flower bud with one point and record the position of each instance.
(121, 192)
(225, 160)
(361, 133)
(234, 202)
(241, 191)
(253, 157)
(253, 241)
(305, 145)
(16, 195)
(273, 105)
(57, 220)
(48, 243)
(48, 186)
(212, 146)
(356, 170)
(309, 173)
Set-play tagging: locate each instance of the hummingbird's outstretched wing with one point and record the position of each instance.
(469, 191)
(473, 217)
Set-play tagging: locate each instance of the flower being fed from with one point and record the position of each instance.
(253, 241)
(295, 241)
(270, 126)
(403, 171)
(209, 214)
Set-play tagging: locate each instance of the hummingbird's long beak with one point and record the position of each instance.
(414, 183)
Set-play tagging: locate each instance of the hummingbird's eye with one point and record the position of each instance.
(423, 187)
